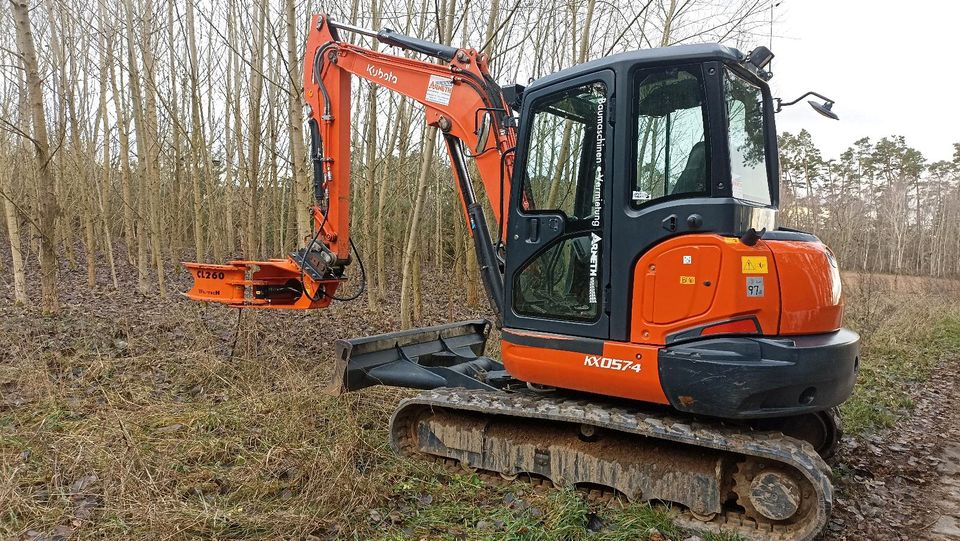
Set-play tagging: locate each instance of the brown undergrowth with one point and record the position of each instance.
(130, 417)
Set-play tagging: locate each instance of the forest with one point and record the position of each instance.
(138, 134)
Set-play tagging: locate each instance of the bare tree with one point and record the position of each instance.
(47, 204)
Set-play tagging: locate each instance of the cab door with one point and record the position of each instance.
(557, 262)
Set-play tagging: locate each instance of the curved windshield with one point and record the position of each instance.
(748, 166)
(672, 151)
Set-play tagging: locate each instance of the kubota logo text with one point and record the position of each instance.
(610, 364)
(378, 73)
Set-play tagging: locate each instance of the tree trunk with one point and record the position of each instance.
(429, 145)
(153, 147)
(401, 130)
(16, 246)
(301, 180)
(371, 168)
(252, 247)
(103, 186)
(197, 141)
(234, 141)
(141, 132)
(416, 283)
(123, 139)
(48, 209)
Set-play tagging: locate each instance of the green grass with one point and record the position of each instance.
(437, 506)
(905, 335)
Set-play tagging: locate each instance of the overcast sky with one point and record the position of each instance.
(891, 67)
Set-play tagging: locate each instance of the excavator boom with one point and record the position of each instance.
(460, 99)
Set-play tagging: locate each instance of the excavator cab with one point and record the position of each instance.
(610, 145)
(643, 254)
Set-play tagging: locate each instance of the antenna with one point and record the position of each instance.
(770, 44)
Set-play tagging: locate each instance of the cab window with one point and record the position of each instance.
(562, 164)
(748, 166)
(671, 143)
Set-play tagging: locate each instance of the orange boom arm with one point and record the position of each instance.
(460, 99)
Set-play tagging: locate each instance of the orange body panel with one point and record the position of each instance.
(685, 300)
(621, 369)
(686, 285)
(696, 280)
(811, 294)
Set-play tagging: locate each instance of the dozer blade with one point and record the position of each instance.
(275, 283)
(449, 355)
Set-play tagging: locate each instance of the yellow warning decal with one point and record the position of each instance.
(688, 280)
(731, 240)
(751, 264)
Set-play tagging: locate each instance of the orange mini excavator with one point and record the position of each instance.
(661, 337)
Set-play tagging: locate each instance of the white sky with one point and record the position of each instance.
(891, 67)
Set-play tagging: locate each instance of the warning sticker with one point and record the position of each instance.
(688, 280)
(753, 264)
(736, 185)
(439, 90)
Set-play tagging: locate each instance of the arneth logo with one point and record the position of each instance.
(378, 73)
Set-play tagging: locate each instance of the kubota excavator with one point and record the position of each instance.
(661, 337)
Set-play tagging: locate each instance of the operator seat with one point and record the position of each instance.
(694, 175)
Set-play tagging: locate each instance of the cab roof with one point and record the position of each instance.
(675, 54)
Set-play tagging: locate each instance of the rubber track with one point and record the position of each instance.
(771, 446)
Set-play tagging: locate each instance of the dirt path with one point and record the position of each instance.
(947, 526)
(904, 483)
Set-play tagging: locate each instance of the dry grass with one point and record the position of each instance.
(126, 417)
(180, 439)
(908, 325)
(129, 418)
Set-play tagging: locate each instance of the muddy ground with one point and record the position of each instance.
(904, 483)
(132, 416)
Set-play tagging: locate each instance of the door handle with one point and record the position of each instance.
(533, 230)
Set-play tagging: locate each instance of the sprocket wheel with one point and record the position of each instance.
(767, 493)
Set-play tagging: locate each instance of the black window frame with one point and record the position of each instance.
(554, 226)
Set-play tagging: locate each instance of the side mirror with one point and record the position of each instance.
(483, 132)
(825, 108)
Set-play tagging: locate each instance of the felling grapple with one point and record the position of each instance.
(661, 338)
